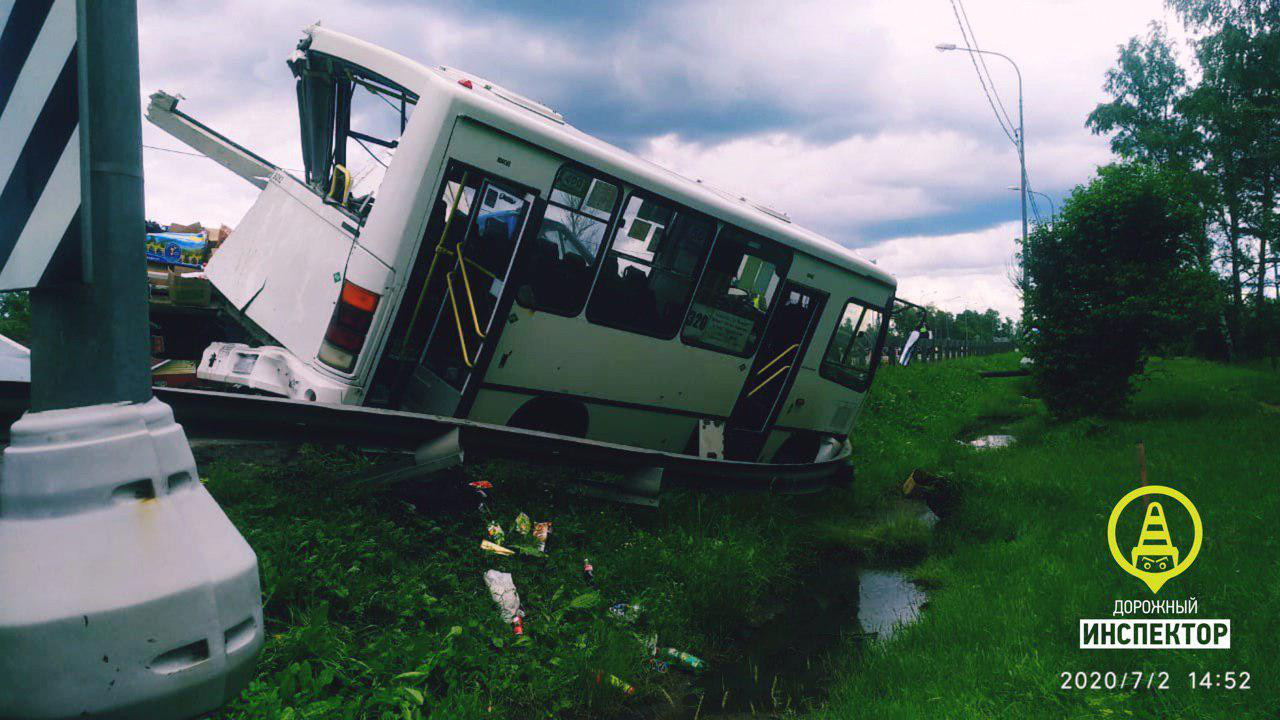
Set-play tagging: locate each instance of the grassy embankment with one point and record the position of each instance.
(376, 608)
(1025, 557)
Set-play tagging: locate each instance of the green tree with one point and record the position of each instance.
(1142, 119)
(15, 316)
(1109, 282)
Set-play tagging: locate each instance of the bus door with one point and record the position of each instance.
(775, 366)
(470, 284)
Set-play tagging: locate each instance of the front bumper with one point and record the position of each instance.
(274, 370)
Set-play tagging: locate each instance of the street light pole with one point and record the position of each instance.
(1022, 139)
(1053, 209)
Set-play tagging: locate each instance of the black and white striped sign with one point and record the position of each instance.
(40, 173)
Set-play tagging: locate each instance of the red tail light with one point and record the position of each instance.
(348, 326)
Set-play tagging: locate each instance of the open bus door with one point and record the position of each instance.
(785, 341)
(445, 322)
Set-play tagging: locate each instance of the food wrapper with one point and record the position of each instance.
(540, 532)
(503, 591)
(495, 548)
(625, 612)
(684, 658)
(614, 681)
(522, 524)
(495, 533)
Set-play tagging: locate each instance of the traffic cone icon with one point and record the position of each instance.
(1155, 551)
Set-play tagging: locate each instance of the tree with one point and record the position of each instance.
(1109, 282)
(1143, 120)
(1222, 132)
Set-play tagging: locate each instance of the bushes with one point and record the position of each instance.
(1113, 279)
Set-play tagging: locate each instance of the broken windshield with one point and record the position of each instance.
(351, 122)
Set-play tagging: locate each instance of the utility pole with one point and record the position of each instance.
(1021, 134)
(124, 589)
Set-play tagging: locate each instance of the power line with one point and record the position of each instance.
(973, 38)
(981, 80)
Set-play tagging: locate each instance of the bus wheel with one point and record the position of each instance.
(552, 415)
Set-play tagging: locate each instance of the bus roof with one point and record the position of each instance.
(536, 122)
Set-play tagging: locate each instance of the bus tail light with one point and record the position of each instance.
(348, 327)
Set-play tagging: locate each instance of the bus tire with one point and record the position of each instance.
(553, 415)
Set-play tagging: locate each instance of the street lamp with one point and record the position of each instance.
(1022, 140)
(1053, 209)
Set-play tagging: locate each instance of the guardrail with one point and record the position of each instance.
(935, 350)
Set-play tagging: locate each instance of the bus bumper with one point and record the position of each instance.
(274, 370)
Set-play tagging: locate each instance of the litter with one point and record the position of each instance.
(495, 533)
(938, 493)
(495, 548)
(482, 488)
(617, 682)
(503, 591)
(684, 658)
(625, 612)
(522, 524)
(588, 571)
(540, 532)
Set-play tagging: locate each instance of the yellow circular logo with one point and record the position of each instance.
(1155, 558)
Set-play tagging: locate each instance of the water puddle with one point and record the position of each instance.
(990, 442)
(784, 661)
(887, 600)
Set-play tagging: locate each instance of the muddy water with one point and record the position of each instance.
(784, 661)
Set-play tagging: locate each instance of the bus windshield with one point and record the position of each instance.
(351, 123)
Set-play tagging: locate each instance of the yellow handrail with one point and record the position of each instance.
(431, 269)
(479, 267)
(769, 379)
(457, 321)
(780, 356)
(466, 284)
(346, 186)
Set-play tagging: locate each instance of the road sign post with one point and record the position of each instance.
(124, 589)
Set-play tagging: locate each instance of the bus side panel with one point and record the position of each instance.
(622, 425)
(503, 155)
(541, 351)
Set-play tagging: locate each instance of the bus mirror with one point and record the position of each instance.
(525, 295)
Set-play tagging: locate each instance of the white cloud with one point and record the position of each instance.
(954, 272)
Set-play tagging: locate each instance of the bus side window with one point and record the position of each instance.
(854, 349)
(649, 271)
(735, 295)
(561, 263)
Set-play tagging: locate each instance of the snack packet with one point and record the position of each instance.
(522, 524)
(540, 532)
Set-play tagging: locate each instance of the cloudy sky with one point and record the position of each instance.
(841, 113)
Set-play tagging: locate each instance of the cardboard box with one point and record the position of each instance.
(192, 289)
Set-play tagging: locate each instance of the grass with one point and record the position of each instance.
(375, 605)
(1024, 558)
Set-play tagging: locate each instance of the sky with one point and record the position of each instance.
(842, 114)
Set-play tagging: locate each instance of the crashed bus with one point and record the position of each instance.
(496, 264)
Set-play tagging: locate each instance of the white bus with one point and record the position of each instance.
(492, 262)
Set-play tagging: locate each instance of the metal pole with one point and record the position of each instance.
(89, 340)
(1022, 150)
(1022, 140)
